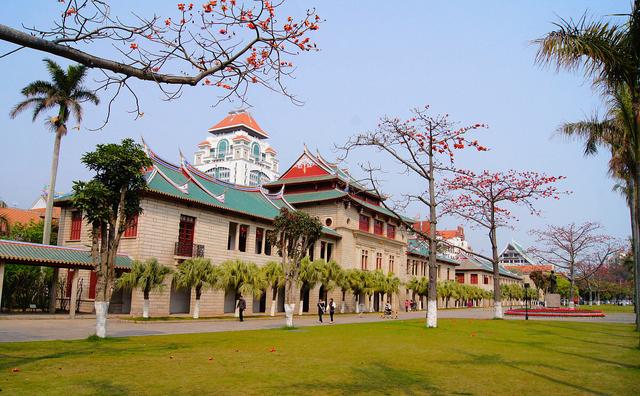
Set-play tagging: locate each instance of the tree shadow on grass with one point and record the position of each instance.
(374, 378)
(104, 387)
(496, 359)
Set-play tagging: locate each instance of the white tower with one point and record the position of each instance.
(237, 151)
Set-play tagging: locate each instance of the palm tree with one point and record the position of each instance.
(239, 277)
(148, 276)
(356, 279)
(419, 286)
(609, 54)
(372, 281)
(342, 281)
(195, 273)
(308, 278)
(329, 274)
(274, 275)
(67, 93)
(389, 286)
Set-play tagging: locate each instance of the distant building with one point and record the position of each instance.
(515, 254)
(237, 152)
(23, 216)
(455, 239)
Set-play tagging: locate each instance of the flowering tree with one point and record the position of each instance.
(222, 44)
(483, 198)
(580, 247)
(424, 146)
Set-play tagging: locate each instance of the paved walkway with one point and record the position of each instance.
(44, 327)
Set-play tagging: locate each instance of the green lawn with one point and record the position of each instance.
(609, 308)
(476, 357)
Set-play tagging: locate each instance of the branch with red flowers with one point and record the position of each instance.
(223, 44)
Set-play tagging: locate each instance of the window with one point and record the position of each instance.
(185, 236)
(223, 147)
(328, 222)
(378, 226)
(76, 225)
(414, 267)
(255, 151)
(408, 266)
(474, 279)
(364, 258)
(259, 238)
(69, 284)
(364, 223)
(423, 265)
(460, 278)
(378, 261)
(242, 241)
(329, 251)
(448, 273)
(323, 247)
(439, 272)
(256, 178)
(485, 280)
(231, 239)
(267, 243)
(391, 231)
(132, 228)
(391, 263)
(93, 280)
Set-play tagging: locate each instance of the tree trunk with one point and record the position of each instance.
(635, 229)
(145, 308)
(274, 301)
(48, 214)
(196, 309)
(497, 296)
(432, 292)
(289, 301)
(102, 308)
(342, 303)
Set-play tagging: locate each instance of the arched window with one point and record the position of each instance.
(256, 178)
(220, 173)
(255, 151)
(223, 147)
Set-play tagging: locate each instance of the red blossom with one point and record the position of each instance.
(133, 46)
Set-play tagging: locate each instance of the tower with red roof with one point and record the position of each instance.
(236, 151)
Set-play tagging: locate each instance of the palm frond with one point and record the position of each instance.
(38, 87)
(25, 104)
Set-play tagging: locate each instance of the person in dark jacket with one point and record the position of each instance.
(242, 305)
(332, 308)
(321, 308)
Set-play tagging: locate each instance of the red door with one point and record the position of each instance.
(185, 236)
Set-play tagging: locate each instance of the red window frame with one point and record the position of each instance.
(132, 228)
(474, 279)
(364, 260)
(460, 278)
(486, 280)
(378, 227)
(69, 284)
(93, 280)
(76, 225)
(364, 223)
(391, 231)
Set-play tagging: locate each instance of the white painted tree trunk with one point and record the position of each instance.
(273, 308)
(145, 308)
(572, 304)
(288, 313)
(357, 305)
(301, 307)
(196, 310)
(342, 307)
(370, 301)
(236, 312)
(102, 308)
(420, 304)
(432, 313)
(498, 310)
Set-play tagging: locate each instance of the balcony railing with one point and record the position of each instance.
(183, 249)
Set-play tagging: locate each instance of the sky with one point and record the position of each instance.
(473, 60)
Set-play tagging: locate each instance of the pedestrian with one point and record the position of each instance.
(332, 308)
(321, 309)
(242, 305)
(406, 305)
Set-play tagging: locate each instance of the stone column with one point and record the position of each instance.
(74, 292)
(1, 282)
(53, 290)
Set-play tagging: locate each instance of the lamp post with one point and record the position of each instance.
(526, 299)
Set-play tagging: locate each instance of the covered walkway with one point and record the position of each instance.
(25, 253)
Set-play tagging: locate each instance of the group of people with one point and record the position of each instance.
(323, 307)
(410, 305)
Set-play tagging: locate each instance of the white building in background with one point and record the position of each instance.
(515, 254)
(237, 151)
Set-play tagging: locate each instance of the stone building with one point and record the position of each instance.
(475, 271)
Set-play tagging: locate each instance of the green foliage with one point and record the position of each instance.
(25, 285)
(65, 91)
(295, 232)
(148, 276)
(31, 232)
(420, 286)
(564, 287)
(241, 277)
(196, 273)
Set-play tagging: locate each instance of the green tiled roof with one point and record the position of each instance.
(420, 248)
(57, 256)
(477, 263)
(315, 196)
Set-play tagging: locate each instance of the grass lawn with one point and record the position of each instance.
(609, 308)
(478, 357)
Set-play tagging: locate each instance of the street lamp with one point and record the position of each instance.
(526, 299)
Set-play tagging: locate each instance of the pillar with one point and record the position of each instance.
(53, 290)
(1, 283)
(74, 292)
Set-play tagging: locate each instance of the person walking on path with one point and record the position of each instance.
(332, 308)
(321, 309)
(242, 305)
(406, 305)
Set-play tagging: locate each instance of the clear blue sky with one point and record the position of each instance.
(470, 59)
